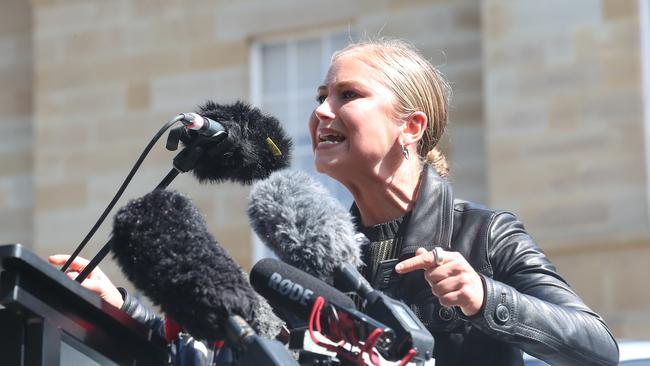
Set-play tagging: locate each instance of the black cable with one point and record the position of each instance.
(173, 173)
(117, 196)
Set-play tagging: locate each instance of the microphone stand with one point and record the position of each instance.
(185, 161)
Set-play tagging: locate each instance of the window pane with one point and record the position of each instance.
(274, 68)
(309, 58)
(304, 106)
(340, 41)
(277, 109)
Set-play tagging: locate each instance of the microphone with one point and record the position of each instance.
(202, 125)
(293, 289)
(255, 145)
(298, 219)
(410, 333)
(162, 245)
(298, 292)
(245, 146)
(305, 226)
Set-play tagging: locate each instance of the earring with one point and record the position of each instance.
(405, 151)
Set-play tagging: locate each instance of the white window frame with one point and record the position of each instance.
(644, 21)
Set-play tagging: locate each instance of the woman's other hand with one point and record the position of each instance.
(453, 281)
(96, 282)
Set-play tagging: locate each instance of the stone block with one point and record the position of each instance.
(217, 55)
(629, 279)
(526, 118)
(231, 205)
(15, 163)
(496, 19)
(237, 241)
(16, 52)
(65, 228)
(616, 9)
(16, 225)
(95, 44)
(185, 91)
(108, 99)
(17, 192)
(16, 134)
(60, 135)
(466, 110)
(17, 101)
(419, 24)
(55, 18)
(138, 95)
(534, 17)
(241, 20)
(589, 275)
(15, 17)
(622, 70)
(466, 15)
(61, 195)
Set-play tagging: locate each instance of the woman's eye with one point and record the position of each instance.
(321, 98)
(348, 94)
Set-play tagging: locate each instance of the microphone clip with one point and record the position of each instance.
(195, 142)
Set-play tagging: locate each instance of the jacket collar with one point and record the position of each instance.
(431, 221)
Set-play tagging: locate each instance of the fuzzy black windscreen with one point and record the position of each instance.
(162, 244)
(246, 155)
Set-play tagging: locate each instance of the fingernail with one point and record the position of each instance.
(399, 267)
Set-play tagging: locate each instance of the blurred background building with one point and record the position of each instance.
(547, 116)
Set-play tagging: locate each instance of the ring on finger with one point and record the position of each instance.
(438, 255)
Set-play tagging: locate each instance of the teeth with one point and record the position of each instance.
(330, 138)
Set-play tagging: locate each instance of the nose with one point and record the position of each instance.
(324, 111)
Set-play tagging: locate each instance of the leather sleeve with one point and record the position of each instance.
(142, 313)
(528, 304)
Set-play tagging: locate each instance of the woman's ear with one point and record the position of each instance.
(413, 128)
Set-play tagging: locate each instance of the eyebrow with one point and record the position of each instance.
(340, 84)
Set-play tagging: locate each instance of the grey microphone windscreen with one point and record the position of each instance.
(303, 224)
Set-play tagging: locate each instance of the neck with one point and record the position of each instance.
(384, 198)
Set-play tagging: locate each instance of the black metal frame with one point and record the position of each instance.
(45, 310)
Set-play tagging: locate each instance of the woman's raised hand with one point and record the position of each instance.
(96, 282)
(452, 279)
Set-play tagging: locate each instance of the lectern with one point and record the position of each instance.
(47, 319)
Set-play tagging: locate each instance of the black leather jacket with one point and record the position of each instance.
(527, 305)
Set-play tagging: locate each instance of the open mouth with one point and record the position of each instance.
(330, 138)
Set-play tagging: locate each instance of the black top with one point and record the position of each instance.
(385, 242)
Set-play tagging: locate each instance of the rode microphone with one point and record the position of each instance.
(295, 291)
(411, 336)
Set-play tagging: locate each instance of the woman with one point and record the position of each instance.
(474, 276)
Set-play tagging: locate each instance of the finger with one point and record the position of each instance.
(450, 299)
(72, 274)
(442, 272)
(423, 260)
(78, 264)
(58, 258)
(89, 283)
(446, 286)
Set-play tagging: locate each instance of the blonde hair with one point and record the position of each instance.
(417, 85)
